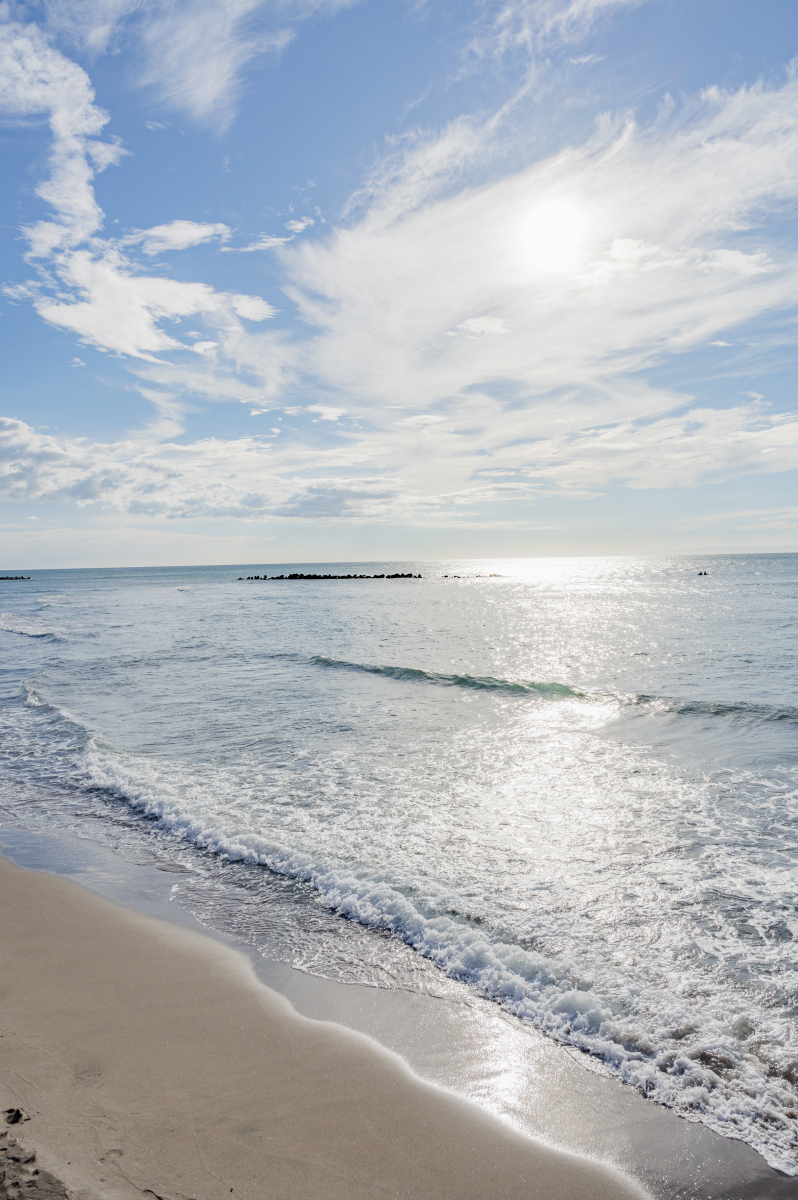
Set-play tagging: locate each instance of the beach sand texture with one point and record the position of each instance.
(148, 1059)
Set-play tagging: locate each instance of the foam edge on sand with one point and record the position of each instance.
(137, 1057)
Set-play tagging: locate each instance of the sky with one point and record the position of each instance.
(319, 280)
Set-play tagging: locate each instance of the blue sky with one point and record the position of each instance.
(305, 280)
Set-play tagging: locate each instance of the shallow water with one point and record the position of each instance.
(572, 784)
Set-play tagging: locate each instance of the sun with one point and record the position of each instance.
(552, 234)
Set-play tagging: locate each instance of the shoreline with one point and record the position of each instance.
(465, 1045)
(148, 1058)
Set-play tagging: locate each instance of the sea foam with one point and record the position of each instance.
(578, 794)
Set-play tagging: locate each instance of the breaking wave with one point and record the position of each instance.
(479, 683)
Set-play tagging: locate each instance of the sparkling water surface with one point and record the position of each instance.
(571, 783)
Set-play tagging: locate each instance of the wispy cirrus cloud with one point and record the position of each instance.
(759, 519)
(533, 29)
(191, 55)
(461, 344)
(701, 445)
(596, 263)
(529, 21)
(195, 54)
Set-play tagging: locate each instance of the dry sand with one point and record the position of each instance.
(137, 1057)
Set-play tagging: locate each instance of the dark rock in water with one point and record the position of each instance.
(20, 1177)
(300, 576)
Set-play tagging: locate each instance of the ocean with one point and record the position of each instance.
(571, 784)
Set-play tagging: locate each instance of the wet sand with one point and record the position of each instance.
(139, 1057)
(452, 1038)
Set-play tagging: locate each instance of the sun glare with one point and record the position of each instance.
(552, 234)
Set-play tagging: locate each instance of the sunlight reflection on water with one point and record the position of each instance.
(570, 783)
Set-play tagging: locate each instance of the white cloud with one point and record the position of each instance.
(327, 412)
(489, 342)
(252, 477)
(195, 54)
(192, 52)
(700, 446)
(211, 477)
(34, 78)
(250, 307)
(17, 292)
(129, 476)
(176, 235)
(749, 518)
(265, 241)
(532, 27)
(670, 250)
(113, 307)
(421, 421)
(477, 326)
(90, 24)
(298, 224)
(100, 294)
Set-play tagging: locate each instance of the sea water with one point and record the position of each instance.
(570, 783)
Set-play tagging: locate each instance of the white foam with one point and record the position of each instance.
(632, 1021)
(618, 870)
(11, 623)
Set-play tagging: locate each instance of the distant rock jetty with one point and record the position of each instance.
(4, 578)
(398, 575)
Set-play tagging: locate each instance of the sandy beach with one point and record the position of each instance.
(138, 1057)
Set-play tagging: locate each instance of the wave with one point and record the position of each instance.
(749, 710)
(9, 623)
(686, 1058)
(513, 687)
(480, 683)
(700, 1068)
